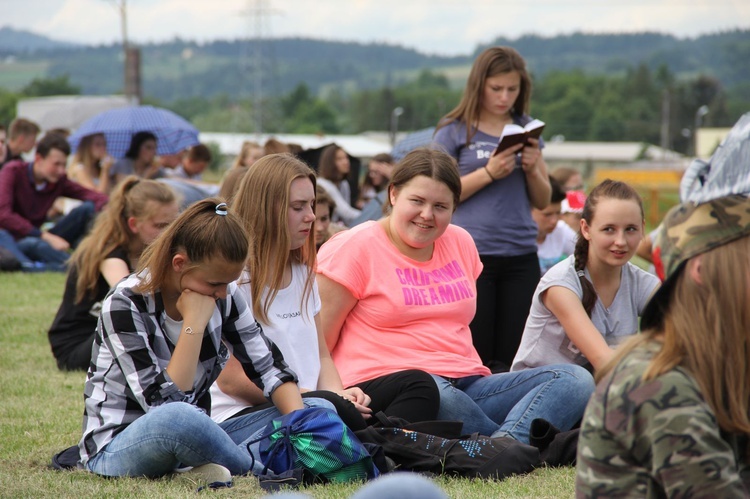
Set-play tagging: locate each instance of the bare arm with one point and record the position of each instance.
(537, 178)
(196, 310)
(104, 177)
(79, 174)
(233, 381)
(113, 270)
(287, 398)
(337, 302)
(568, 309)
(330, 380)
(645, 248)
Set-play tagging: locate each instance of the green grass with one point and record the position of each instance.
(16, 75)
(41, 408)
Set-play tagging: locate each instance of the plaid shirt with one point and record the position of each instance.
(131, 351)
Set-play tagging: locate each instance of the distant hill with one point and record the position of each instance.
(724, 55)
(13, 41)
(180, 69)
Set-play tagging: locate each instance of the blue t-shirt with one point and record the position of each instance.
(498, 216)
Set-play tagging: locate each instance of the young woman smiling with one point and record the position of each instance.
(399, 294)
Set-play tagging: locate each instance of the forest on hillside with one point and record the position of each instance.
(586, 87)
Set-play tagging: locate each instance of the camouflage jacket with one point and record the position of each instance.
(656, 439)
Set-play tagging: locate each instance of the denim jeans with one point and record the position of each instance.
(8, 242)
(179, 434)
(72, 227)
(507, 403)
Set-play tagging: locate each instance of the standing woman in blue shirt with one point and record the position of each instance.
(497, 194)
(162, 340)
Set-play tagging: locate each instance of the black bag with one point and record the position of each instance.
(473, 456)
(556, 448)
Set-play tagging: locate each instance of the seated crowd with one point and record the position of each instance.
(224, 306)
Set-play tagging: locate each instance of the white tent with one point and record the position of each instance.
(67, 111)
(357, 145)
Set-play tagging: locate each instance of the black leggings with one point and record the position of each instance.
(504, 292)
(411, 395)
(345, 409)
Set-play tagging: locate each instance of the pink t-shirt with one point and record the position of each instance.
(410, 314)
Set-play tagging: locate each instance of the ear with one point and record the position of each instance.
(694, 266)
(392, 194)
(585, 230)
(132, 225)
(179, 262)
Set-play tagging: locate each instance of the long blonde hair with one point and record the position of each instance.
(130, 199)
(707, 332)
(85, 157)
(261, 201)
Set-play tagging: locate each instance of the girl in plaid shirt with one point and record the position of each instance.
(162, 340)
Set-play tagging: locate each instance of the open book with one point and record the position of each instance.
(515, 134)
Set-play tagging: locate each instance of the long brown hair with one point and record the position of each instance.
(261, 201)
(84, 156)
(608, 189)
(327, 164)
(491, 62)
(707, 331)
(130, 199)
(203, 231)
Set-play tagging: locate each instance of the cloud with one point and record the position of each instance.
(431, 26)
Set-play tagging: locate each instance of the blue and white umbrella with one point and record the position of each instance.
(173, 133)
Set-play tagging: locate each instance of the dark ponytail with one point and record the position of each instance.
(581, 254)
(608, 189)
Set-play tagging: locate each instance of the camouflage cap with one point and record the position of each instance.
(688, 230)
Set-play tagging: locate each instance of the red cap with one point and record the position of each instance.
(573, 202)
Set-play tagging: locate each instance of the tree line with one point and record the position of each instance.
(575, 105)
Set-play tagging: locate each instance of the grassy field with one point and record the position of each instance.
(41, 407)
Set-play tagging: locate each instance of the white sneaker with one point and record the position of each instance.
(211, 475)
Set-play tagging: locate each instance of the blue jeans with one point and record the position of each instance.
(72, 227)
(179, 434)
(507, 403)
(8, 242)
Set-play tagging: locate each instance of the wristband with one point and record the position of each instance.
(488, 173)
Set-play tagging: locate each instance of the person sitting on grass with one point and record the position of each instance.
(276, 201)
(21, 139)
(587, 304)
(670, 416)
(273, 202)
(399, 294)
(162, 340)
(187, 178)
(324, 207)
(138, 211)
(28, 191)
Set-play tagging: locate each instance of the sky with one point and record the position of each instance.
(443, 27)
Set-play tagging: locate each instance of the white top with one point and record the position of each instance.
(292, 328)
(344, 211)
(557, 246)
(544, 341)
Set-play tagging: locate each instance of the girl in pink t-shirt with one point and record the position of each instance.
(400, 294)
